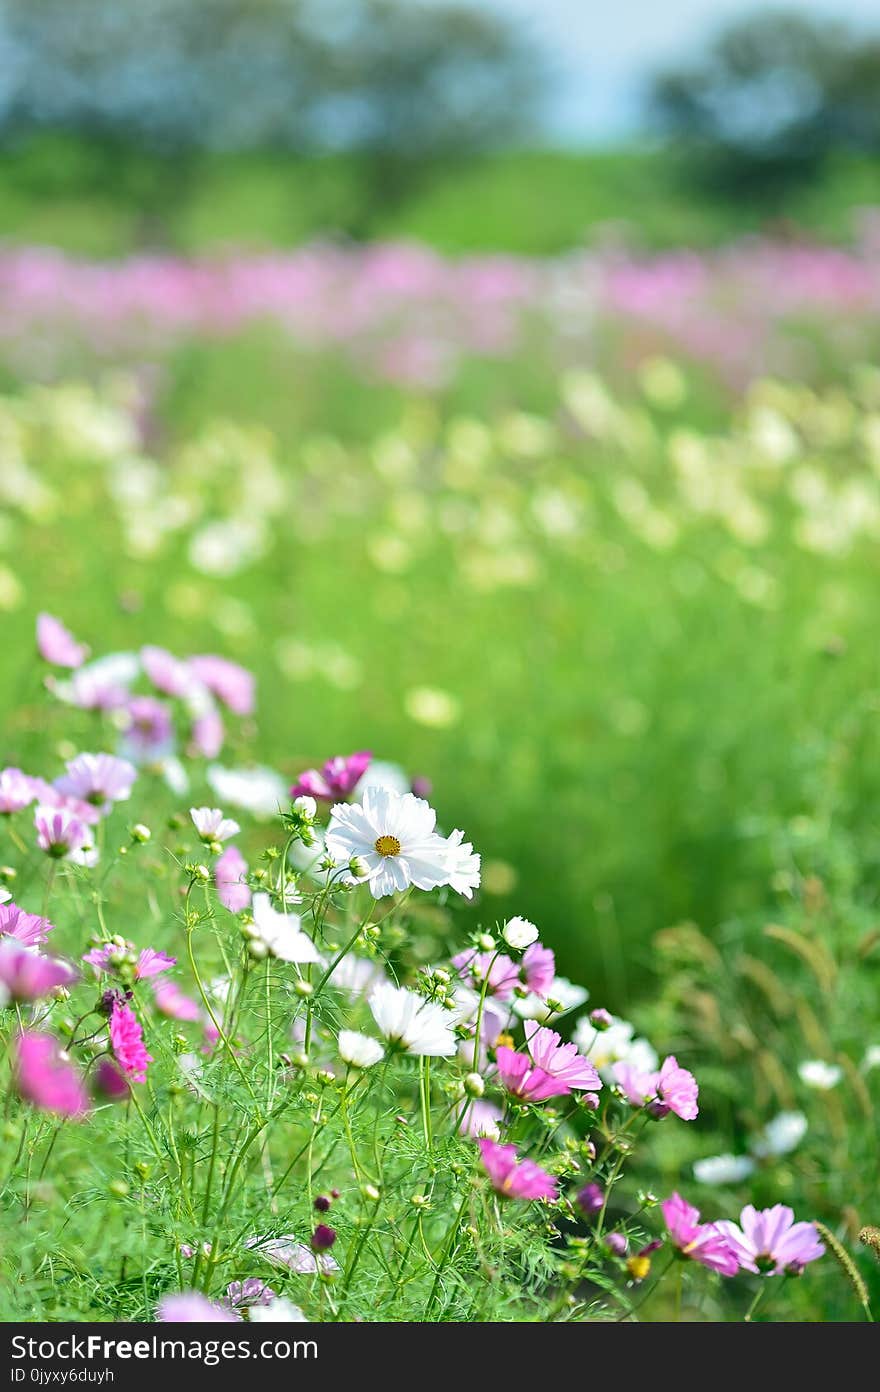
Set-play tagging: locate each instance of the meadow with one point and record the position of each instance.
(584, 549)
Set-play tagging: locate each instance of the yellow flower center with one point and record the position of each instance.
(388, 845)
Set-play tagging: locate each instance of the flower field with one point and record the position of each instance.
(441, 733)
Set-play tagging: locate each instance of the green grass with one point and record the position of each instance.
(101, 200)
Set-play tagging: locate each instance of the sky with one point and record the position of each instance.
(605, 49)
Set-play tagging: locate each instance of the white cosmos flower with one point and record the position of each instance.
(393, 835)
(562, 995)
(287, 1251)
(413, 1023)
(871, 1059)
(464, 866)
(359, 1049)
(211, 825)
(723, 1169)
(380, 774)
(281, 933)
(781, 1135)
(816, 1073)
(260, 790)
(519, 933)
(614, 1045)
(278, 1311)
(357, 975)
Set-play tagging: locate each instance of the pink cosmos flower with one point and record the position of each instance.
(240, 1295)
(207, 734)
(57, 645)
(149, 729)
(231, 684)
(47, 795)
(229, 871)
(287, 1251)
(27, 976)
(538, 968)
(705, 1243)
(335, 780)
(47, 1079)
(150, 962)
(525, 1080)
(99, 779)
(28, 929)
(16, 791)
(481, 1119)
(174, 1003)
(501, 974)
(127, 1040)
(769, 1241)
(560, 1060)
(672, 1089)
(61, 834)
(191, 1307)
(211, 825)
(167, 673)
(515, 1179)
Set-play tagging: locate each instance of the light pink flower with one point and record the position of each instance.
(538, 968)
(47, 795)
(16, 791)
(335, 780)
(287, 1251)
(230, 869)
(127, 1040)
(28, 929)
(207, 734)
(47, 1079)
(481, 1119)
(149, 731)
(167, 674)
(61, 834)
(27, 976)
(108, 957)
(769, 1241)
(515, 1179)
(57, 645)
(99, 779)
(174, 1003)
(524, 1080)
(560, 1060)
(705, 1243)
(191, 1307)
(230, 683)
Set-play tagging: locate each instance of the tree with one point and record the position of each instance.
(774, 97)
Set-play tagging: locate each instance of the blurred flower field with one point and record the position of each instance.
(587, 550)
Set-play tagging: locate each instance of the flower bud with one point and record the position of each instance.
(306, 807)
(140, 833)
(323, 1238)
(519, 933)
(600, 1019)
(304, 988)
(474, 1085)
(485, 942)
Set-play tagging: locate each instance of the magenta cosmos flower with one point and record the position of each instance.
(524, 1079)
(110, 957)
(229, 871)
(231, 684)
(769, 1241)
(28, 929)
(46, 1077)
(57, 645)
(191, 1307)
(335, 780)
(515, 1179)
(98, 779)
(671, 1089)
(127, 1040)
(560, 1060)
(16, 791)
(27, 976)
(705, 1243)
